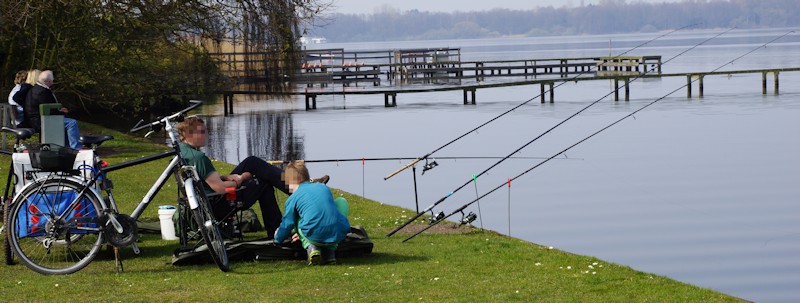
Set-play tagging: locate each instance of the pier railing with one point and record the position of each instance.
(323, 67)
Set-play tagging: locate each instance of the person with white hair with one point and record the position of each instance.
(41, 93)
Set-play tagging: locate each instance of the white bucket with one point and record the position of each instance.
(165, 213)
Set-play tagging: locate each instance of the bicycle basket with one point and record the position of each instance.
(52, 158)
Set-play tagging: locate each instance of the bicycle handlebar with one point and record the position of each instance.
(192, 105)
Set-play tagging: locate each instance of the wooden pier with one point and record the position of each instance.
(403, 68)
(429, 65)
(546, 90)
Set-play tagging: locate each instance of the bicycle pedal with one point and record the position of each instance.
(135, 248)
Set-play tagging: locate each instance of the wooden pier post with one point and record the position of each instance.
(627, 88)
(311, 101)
(689, 86)
(776, 81)
(700, 85)
(386, 102)
(467, 99)
(227, 104)
(764, 81)
(626, 85)
(541, 95)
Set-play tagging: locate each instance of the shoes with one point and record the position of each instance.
(329, 254)
(314, 256)
(324, 179)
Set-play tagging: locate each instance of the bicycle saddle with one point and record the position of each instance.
(20, 133)
(95, 140)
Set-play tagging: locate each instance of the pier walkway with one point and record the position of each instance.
(622, 83)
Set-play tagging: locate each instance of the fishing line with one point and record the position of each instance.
(548, 131)
(363, 177)
(509, 207)
(523, 103)
(460, 209)
(480, 215)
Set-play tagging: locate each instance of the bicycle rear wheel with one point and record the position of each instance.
(209, 226)
(54, 230)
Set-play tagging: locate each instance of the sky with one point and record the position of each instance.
(370, 6)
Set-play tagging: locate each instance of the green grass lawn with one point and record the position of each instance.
(449, 265)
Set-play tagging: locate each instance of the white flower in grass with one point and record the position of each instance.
(569, 267)
(537, 264)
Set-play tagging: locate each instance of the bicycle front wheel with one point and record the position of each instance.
(209, 226)
(53, 229)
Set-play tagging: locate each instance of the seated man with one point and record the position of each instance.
(42, 94)
(312, 215)
(259, 177)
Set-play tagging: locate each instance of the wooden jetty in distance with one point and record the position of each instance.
(444, 66)
(324, 67)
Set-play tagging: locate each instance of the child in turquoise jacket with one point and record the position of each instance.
(312, 216)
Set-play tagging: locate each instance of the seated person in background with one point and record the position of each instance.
(312, 215)
(19, 80)
(41, 93)
(259, 177)
(21, 95)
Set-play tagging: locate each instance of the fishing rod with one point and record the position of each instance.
(416, 160)
(468, 218)
(430, 165)
(419, 214)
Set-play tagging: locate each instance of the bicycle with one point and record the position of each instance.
(57, 224)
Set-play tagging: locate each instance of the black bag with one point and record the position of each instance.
(356, 244)
(53, 158)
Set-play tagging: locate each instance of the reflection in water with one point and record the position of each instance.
(269, 136)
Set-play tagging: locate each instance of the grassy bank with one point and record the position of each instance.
(451, 264)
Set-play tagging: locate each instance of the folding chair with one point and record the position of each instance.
(187, 228)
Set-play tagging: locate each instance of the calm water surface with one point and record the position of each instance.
(704, 191)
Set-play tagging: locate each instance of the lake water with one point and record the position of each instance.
(702, 190)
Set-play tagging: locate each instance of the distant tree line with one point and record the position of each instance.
(609, 16)
(127, 56)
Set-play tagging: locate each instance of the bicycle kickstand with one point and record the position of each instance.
(118, 260)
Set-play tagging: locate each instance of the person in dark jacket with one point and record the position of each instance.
(42, 94)
(19, 81)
